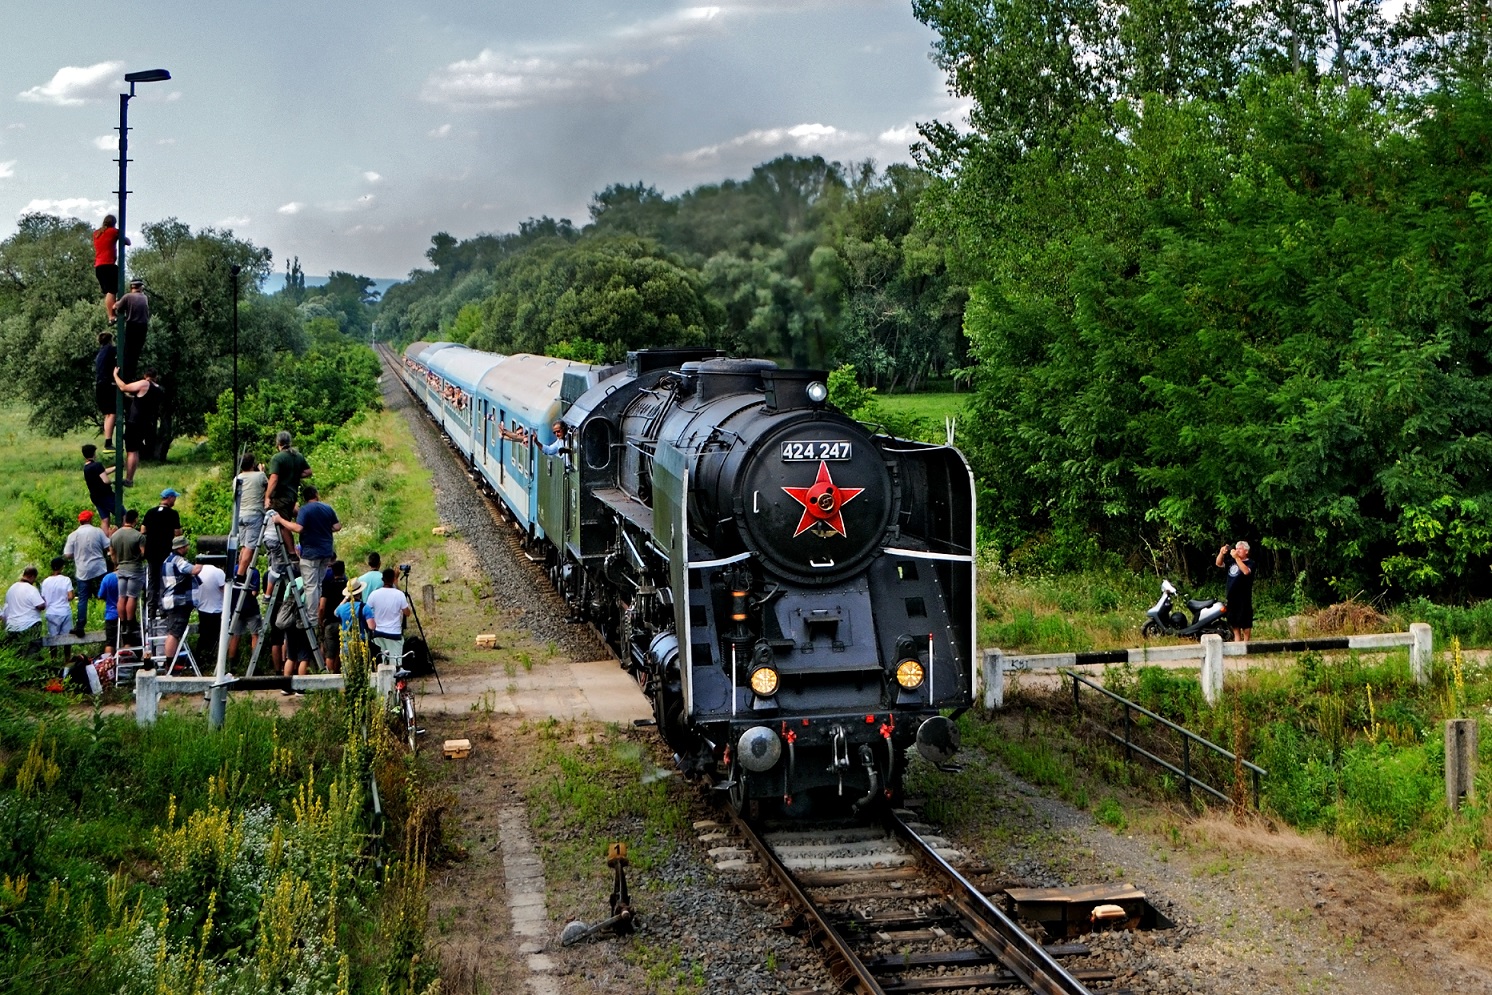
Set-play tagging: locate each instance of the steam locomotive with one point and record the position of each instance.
(793, 593)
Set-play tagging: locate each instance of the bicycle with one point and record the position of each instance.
(402, 706)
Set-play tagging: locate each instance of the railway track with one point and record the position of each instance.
(891, 912)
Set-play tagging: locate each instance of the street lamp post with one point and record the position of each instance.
(147, 76)
(234, 271)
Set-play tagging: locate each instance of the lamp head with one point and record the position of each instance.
(147, 76)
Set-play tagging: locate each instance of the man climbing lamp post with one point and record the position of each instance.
(147, 76)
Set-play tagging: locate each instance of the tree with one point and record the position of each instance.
(50, 318)
(620, 293)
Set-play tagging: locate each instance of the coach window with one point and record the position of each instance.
(596, 442)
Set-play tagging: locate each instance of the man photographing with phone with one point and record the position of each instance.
(1240, 593)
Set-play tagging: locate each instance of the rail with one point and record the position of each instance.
(848, 970)
(1002, 936)
(1025, 960)
(1187, 739)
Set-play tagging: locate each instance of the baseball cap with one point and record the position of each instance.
(170, 492)
(137, 282)
(85, 516)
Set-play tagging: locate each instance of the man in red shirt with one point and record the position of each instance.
(106, 261)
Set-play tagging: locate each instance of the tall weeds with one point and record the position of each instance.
(182, 859)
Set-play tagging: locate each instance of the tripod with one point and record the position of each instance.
(430, 657)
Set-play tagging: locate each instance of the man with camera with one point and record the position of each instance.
(389, 607)
(1240, 592)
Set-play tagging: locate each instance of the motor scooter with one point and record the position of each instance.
(1164, 619)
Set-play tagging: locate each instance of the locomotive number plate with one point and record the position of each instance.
(808, 451)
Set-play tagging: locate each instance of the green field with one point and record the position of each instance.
(935, 406)
(368, 471)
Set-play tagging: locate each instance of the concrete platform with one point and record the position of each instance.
(595, 689)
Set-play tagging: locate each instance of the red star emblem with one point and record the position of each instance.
(822, 503)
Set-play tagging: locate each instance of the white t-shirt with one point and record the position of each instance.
(208, 594)
(54, 591)
(387, 605)
(23, 604)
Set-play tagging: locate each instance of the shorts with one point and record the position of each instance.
(138, 438)
(251, 623)
(131, 585)
(57, 626)
(105, 506)
(1241, 614)
(298, 646)
(331, 638)
(108, 277)
(285, 509)
(103, 396)
(177, 620)
(249, 527)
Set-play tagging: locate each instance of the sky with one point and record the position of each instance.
(348, 133)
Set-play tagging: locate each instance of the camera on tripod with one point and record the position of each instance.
(404, 569)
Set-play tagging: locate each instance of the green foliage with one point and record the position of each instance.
(1227, 280)
(846, 394)
(805, 261)
(310, 396)
(621, 292)
(50, 318)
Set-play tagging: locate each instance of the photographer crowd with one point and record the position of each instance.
(151, 591)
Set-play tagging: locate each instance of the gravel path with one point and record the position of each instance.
(517, 583)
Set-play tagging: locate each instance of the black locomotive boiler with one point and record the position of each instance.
(794, 593)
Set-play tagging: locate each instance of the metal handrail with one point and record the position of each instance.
(1187, 738)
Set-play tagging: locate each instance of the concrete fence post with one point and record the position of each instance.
(1420, 658)
(383, 680)
(1461, 737)
(427, 598)
(994, 679)
(147, 696)
(1212, 668)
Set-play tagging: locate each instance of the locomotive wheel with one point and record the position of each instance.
(736, 796)
(1149, 630)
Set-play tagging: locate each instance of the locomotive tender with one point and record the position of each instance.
(793, 593)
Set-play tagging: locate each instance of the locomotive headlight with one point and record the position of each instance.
(817, 392)
(764, 681)
(909, 674)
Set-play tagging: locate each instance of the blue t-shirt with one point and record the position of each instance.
(316, 519)
(108, 592)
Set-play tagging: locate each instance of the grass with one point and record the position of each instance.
(180, 858)
(585, 791)
(935, 406)
(1353, 749)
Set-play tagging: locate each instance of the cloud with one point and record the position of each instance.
(441, 132)
(902, 134)
(799, 137)
(506, 82)
(372, 177)
(76, 207)
(7, 169)
(109, 143)
(676, 28)
(75, 85)
(294, 207)
(234, 221)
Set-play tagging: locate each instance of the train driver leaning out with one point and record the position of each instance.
(558, 445)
